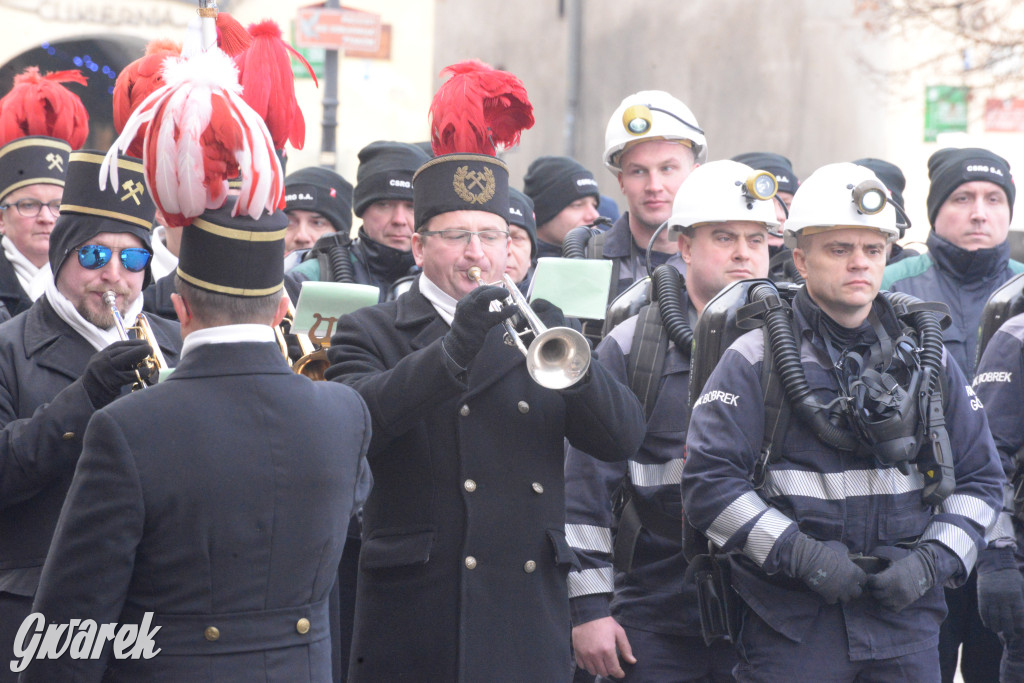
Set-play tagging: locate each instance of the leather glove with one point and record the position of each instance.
(1001, 592)
(549, 314)
(473, 320)
(112, 368)
(826, 568)
(906, 580)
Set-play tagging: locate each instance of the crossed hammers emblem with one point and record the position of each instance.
(135, 189)
(56, 161)
(476, 180)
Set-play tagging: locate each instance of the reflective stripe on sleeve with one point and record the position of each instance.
(662, 474)
(954, 538)
(590, 581)
(1002, 530)
(765, 533)
(970, 507)
(734, 516)
(589, 537)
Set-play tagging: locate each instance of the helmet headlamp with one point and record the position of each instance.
(760, 185)
(637, 119)
(869, 196)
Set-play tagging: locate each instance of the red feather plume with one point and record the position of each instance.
(232, 37)
(268, 85)
(137, 81)
(478, 110)
(40, 105)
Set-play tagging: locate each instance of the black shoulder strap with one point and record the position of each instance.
(647, 356)
(776, 414)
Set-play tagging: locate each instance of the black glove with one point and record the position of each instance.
(826, 568)
(906, 580)
(549, 314)
(1001, 592)
(473, 320)
(112, 368)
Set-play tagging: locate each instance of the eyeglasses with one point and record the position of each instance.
(30, 208)
(488, 238)
(95, 256)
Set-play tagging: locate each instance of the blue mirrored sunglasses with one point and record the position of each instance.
(95, 256)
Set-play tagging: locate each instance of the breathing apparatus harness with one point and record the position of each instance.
(892, 408)
(332, 250)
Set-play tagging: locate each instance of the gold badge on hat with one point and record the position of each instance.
(135, 190)
(55, 161)
(466, 182)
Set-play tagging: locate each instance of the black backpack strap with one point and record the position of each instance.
(647, 356)
(776, 414)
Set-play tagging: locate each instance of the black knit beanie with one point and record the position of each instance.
(554, 183)
(321, 190)
(950, 168)
(520, 212)
(385, 172)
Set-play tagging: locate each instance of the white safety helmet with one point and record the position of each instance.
(721, 191)
(651, 115)
(840, 196)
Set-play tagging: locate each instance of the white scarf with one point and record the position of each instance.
(31, 278)
(443, 302)
(100, 339)
(164, 262)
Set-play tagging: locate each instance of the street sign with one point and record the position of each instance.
(945, 110)
(1004, 116)
(337, 29)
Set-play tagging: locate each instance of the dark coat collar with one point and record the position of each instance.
(235, 358)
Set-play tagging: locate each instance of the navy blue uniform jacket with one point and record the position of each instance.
(218, 498)
(462, 575)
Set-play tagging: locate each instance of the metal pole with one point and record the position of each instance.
(572, 109)
(328, 148)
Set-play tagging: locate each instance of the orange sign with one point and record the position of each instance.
(337, 29)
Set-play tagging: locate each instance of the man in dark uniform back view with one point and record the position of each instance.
(226, 517)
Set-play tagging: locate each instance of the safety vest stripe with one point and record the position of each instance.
(661, 474)
(765, 533)
(954, 538)
(841, 485)
(732, 518)
(589, 537)
(590, 581)
(970, 507)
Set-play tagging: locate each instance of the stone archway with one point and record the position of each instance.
(98, 58)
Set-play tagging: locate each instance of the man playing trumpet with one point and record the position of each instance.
(63, 359)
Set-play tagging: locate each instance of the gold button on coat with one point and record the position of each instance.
(530, 566)
(68, 436)
(470, 485)
(211, 633)
(470, 562)
(302, 626)
(524, 407)
(464, 411)
(537, 488)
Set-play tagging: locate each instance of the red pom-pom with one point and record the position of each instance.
(478, 110)
(40, 105)
(137, 81)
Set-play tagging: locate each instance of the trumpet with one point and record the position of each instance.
(556, 357)
(155, 361)
(313, 361)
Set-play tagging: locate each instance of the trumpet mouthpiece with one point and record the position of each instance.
(474, 273)
(109, 298)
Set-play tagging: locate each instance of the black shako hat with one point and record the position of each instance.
(385, 172)
(32, 160)
(950, 168)
(520, 212)
(234, 255)
(86, 211)
(776, 164)
(321, 190)
(460, 182)
(554, 183)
